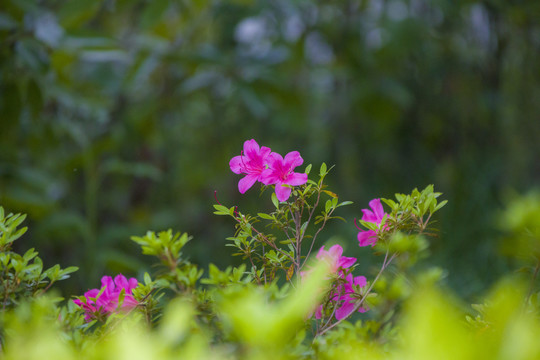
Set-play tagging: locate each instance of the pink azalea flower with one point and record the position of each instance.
(280, 172)
(334, 258)
(252, 162)
(369, 237)
(343, 293)
(376, 215)
(101, 302)
(347, 307)
(343, 296)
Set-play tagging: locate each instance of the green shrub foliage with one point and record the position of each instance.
(286, 300)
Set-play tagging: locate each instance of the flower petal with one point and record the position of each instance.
(335, 251)
(283, 192)
(237, 164)
(293, 159)
(378, 210)
(274, 160)
(369, 216)
(321, 253)
(108, 283)
(91, 293)
(296, 179)
(344, 310)
(133, 283)
(318, 313)
(129, 302)
(265, 151)
(268, 177)
(360, 281)
(368, 237)
(120, 281)
(346, 262)
(247, 182)
(251, 148)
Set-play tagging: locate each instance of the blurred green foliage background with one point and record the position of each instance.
(119, 116)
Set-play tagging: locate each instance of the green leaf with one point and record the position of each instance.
(275, 200)
(16, 235)
(221, 210)
(29, 255)
(322, 171)
(16, 220)
(327, 206)
(393, 205)
(147, 279)
(334, 195)
(64, 274)
(303, 228)
(345, 203)
(265, 216)
(440, 205)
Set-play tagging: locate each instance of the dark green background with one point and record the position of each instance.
(121, 116)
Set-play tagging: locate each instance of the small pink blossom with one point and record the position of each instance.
(252, 162)
(334, 258)
(280, 173)
(342, 293)
(348, 301)
(376, 215)
(344, 298)
(101, 302)
(369, 237)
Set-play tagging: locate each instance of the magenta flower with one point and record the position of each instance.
(99, 303)
(334, 258)
(252, 162)
(344, 298)
(369, 237)
(280, 172)
(348, 301)
(376, 215)
(342, 293)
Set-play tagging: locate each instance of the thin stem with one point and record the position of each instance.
(331, 316)
(424, 224)
(264, 264)
(273, 245)
(254, 268)
(297, 238)
(315, 237)
(314, 206)
(318, 231)
(46, 288)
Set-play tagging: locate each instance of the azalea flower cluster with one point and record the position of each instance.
(344, 292)
(259, 163)
(99, 303)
